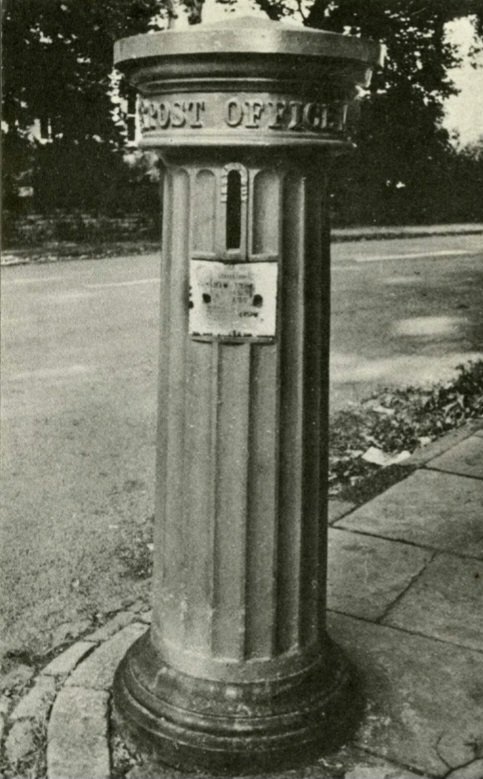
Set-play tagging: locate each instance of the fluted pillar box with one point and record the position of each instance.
(237, 671)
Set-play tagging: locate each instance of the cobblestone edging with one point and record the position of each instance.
(70, 697)
(60, 728)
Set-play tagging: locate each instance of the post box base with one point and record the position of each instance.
(194, 723)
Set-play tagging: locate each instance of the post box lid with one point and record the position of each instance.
(246, 35)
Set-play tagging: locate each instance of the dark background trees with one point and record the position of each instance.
(405, 167)
(58, 64)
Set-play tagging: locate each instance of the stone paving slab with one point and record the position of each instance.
(429, 508)
(338, 509)
(77, 735)
(366, 574)
(64, 663)
(465, 459)
(424, 696)
(435, 448)
(97, 672)
(445, 602)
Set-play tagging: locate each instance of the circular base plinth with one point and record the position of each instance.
(194, 723)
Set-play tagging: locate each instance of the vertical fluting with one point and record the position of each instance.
(239, 467)
(199, 505)
(291, 346)
(324, 379)
(199, 502)
(262, 504)
(312, 487)
(262, 482)
(232, 449)
(172, 404)
(163, 393)
(302, 416)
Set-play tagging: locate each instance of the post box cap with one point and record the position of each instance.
(246, 35)
(246, 82)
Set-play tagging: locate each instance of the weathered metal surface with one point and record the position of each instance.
(238, 670)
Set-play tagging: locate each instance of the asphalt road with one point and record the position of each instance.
(79, 364)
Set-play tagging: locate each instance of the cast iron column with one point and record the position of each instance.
(237, 671)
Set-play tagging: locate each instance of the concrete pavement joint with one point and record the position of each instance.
(383, 538)
(453, 473)
(399, 629)
(463, 555)
(441, 445)
(406, 766)
(403, 592)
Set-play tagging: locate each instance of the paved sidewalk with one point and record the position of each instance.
(406, 604)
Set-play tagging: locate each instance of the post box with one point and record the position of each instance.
(237, 671)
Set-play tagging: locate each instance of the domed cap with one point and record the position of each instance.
(247, 81)
(246, 35)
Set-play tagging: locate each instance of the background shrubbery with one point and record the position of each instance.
(59, 79)
(398, 421)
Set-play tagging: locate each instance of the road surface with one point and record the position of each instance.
(79, 364)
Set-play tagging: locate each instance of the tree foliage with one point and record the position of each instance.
(404, 167)
(57, 64)
(57, 70)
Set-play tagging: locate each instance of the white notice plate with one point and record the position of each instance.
(233, 299)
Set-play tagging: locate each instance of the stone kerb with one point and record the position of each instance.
(66, 711)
